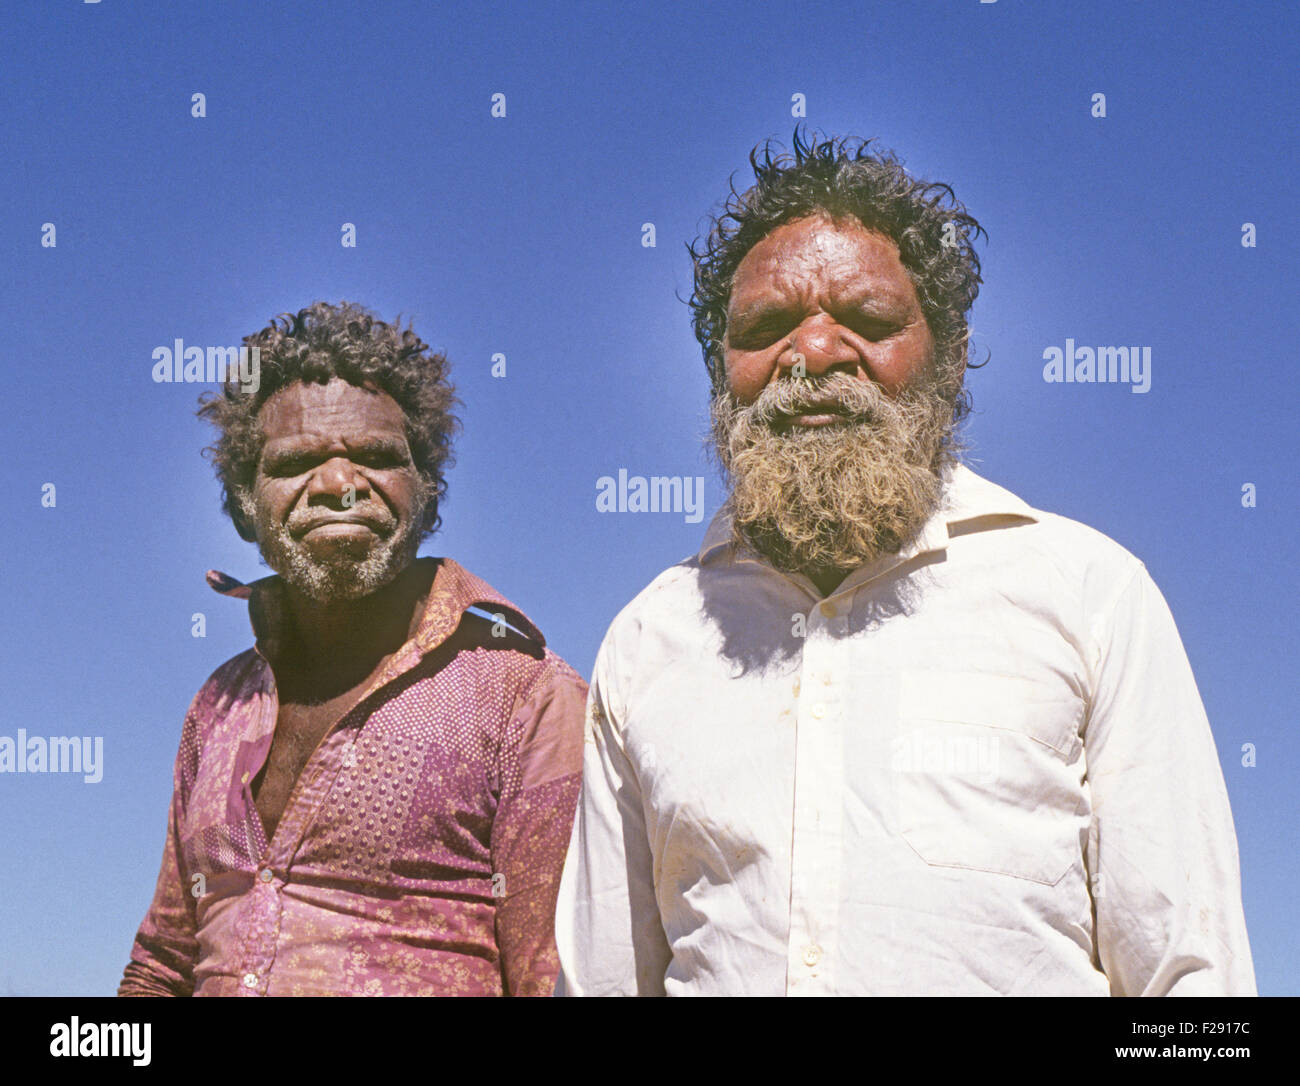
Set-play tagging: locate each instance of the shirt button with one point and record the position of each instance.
(828, 609)
(250, 980)
(819, 710)
(243, 779)
(812, 955)
(265, 875)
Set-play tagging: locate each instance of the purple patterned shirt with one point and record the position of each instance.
(420, 851)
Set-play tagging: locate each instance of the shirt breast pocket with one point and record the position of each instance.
(988, 775)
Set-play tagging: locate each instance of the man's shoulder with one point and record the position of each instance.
(243, 674)
(1079, 551)
(488, 621)
(524, 692)
(1075, 543)
(665, 596)
(233, 685)
(518, 656)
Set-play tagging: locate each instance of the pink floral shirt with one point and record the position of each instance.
(420, 852)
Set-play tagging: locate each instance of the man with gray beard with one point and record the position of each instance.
(375, 798)
(892, 731)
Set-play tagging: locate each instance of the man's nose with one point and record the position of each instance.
(339, 479)
(818, 348)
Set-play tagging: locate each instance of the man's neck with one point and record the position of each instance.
(344, 634)
(827, 580)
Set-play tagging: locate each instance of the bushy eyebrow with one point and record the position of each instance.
(876, 306)
(761, 307)
(889, 301)
(306, 445)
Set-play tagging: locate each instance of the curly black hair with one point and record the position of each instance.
(317, 344)
(844, 178)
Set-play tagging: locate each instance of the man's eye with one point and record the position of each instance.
(759, 334)
(380, 460)
(873, 327)
(289, 466)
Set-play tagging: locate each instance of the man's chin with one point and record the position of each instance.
(340, 576)
(811, 511)
(833, 548)
(838, 495)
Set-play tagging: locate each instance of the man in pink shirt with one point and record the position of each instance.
(375, 799)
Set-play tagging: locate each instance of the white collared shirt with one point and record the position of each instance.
(980, 766)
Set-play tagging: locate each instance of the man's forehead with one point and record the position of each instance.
(309, 409)
(845, 255)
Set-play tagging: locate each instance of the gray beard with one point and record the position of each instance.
(338, 577)
(840, 496)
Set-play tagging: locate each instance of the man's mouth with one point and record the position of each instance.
(340, 525)
(820, 413)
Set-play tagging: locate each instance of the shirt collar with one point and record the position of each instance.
(968, 500)
(454, 590)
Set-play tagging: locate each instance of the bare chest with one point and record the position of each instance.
(299, 729)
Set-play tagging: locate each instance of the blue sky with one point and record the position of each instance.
(522, 236)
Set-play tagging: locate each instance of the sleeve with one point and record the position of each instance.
(607, 927)
(1161, 848)
(166, 947)
(541, 764)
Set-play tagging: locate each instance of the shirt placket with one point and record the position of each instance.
(259, 921)
(817, 839)
(264, 903)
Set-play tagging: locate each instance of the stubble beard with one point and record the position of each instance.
(339, 574)
(834, 497)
